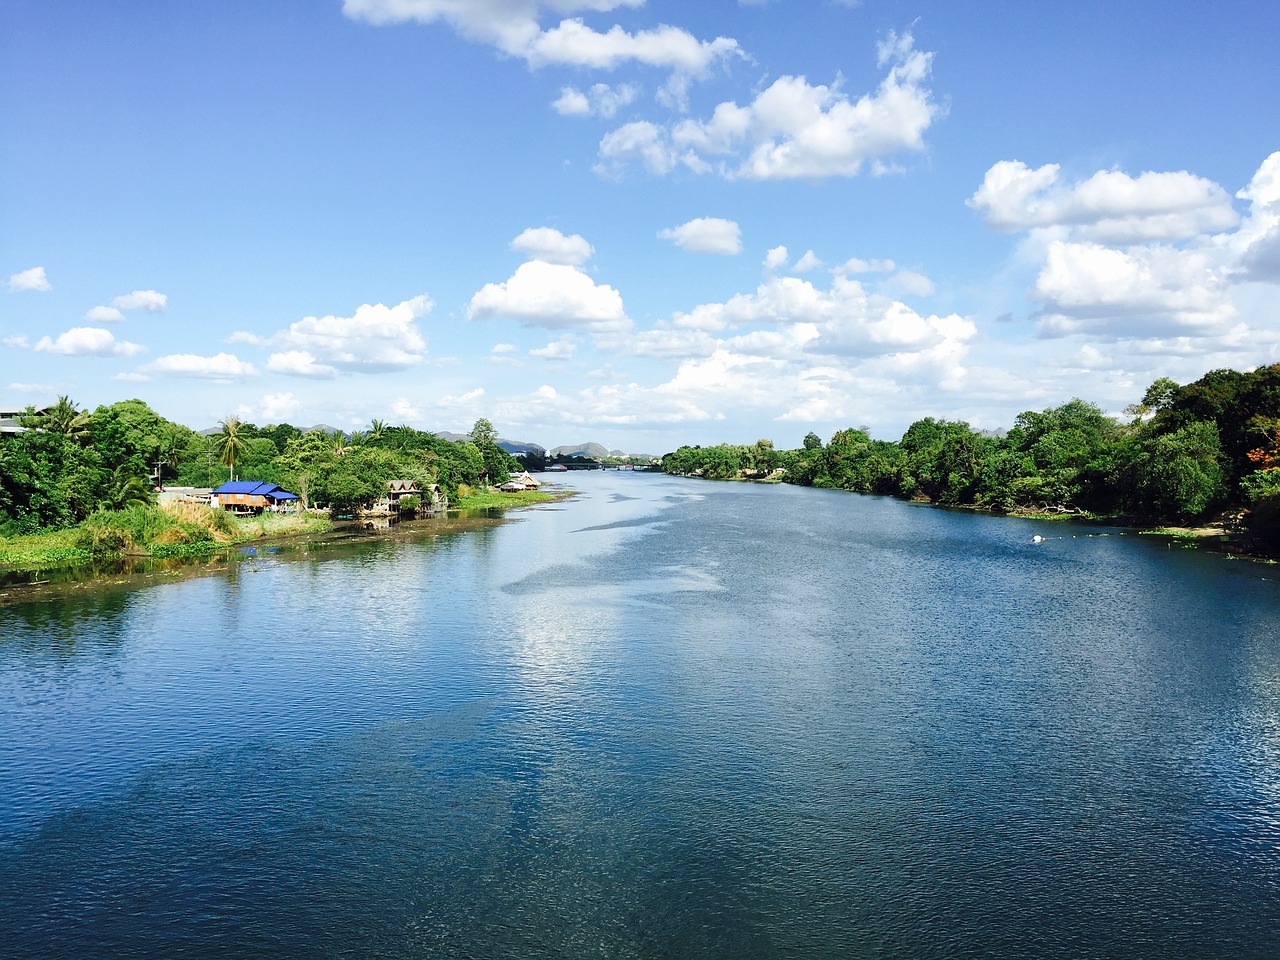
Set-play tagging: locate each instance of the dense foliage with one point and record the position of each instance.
(71, 463)
(1187, 451)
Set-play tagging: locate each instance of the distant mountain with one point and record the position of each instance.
(520, 447)
(511, 446)
(591, 451)
(322, 427)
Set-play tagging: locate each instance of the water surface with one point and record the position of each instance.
(666, 719)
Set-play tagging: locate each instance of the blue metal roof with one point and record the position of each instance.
(257, 488)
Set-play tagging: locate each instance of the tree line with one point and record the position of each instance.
(71, 462)
(1185, 452)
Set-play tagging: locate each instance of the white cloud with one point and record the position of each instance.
(706, 235)
(572, 102)
(1154, 265)
(19, 342)
(552, 246)
(512, 26)
(575, 44)
(405, 410)
(33, 279)
(277, 407)
(793, 129)
(462, 400)
(562, 349)
(222, 366)
(1110, 206)
(299, 363)
(916, 284)
(88, 342)
(638, 140)
(1144, 291)
(807, 262)
(855, 265)
(775, 259)
(104, 315)
(844, 320)
(551, 295)
(377, 338)
(148, 300)
(31, 388)
(1257, 245)
(600, 100)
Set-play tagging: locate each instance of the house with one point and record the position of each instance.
(252, 496)
(430, 499)
(11, 420)
(519, 483)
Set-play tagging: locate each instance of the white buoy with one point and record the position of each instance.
(1037, 539)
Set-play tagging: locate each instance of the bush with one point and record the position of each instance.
(122, 531)
(1262, 492)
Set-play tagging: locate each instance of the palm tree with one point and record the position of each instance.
(126, 489)
(341, 445)
(66, 418)
(376, 430)
(229, 444)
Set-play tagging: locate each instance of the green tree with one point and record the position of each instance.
(230, 445)
(497, 462)
(1180, 474)
(64, 418)
(126, 489)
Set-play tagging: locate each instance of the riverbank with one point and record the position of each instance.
(112, 539)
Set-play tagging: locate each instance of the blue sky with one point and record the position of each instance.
(638, 223)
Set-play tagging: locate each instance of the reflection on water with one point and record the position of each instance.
(666, 719)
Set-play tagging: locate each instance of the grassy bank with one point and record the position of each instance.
(181, 530)
(187, 530)
(471, 499)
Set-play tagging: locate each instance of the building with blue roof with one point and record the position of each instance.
(252, 496)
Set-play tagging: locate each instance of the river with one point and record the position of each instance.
(666, 718)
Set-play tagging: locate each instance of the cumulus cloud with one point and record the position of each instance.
(551, 290)
(32, 279)
(221, 366)
(1110, 206)
(552, 246)
(794, 129)
(405, 410)
(599, 100)
(1146, 291)
(149, 300)
(1257, 245)
(276, 407)
(551, 295)
(88, 342)
(844, 320)
(104, 315)
(807, 262)
(857, 265)
(775, 259)
(562, 349)
(1151, 260)
(513, 27)
(647, 143)
(376, 338)
(706, 235)
(916, 284)
(299, 363)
